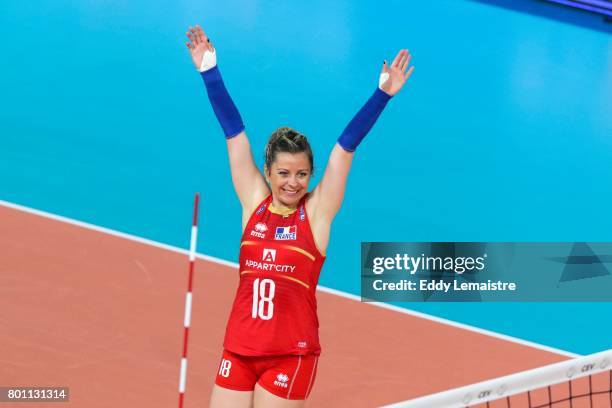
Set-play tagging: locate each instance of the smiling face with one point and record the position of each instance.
(289, 176)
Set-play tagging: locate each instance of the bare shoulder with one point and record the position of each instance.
(319, 225)
(248, 209)
(311, 204)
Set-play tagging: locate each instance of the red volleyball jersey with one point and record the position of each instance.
(275, 309)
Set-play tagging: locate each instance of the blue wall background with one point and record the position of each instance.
(504, 132)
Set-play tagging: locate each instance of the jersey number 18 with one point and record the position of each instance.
(263, 293)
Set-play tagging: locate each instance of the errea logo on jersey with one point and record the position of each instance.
(269, 255)
(286, 233)
(259, 230)
(281, 380)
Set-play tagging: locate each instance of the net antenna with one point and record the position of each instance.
(580, 382)
(187, 321)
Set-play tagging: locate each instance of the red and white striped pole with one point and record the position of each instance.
(192, 253)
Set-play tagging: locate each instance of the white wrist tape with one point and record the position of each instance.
(382, 79)
(209, 60)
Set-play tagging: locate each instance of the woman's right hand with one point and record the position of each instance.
(198, 45)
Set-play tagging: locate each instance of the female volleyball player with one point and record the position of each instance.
(271, 343)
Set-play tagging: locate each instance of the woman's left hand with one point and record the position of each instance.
(395, 76)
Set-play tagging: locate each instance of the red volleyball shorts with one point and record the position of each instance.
(289, 377)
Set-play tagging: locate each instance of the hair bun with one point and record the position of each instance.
(287, 140)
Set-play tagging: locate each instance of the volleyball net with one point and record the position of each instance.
(577, 383)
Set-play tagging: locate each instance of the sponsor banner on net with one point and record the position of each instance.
(486, 272)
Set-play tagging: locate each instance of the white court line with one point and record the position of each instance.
(319, 288)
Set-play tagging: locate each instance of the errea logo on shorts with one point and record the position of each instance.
(269, 255)
(281, 380)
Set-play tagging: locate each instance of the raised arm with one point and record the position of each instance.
(328, 195)
(248, 181)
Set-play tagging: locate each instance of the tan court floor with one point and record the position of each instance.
(103, 315)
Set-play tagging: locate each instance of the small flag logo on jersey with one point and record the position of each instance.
(302, 215)
(261, 209)
(286, 233)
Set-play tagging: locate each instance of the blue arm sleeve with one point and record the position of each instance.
(222, 103)
(363, 121)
